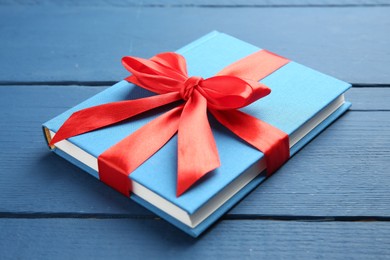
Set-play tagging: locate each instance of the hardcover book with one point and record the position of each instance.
(302, 103)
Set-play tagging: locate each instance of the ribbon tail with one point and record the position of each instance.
(197, 151)
(116, 163)
(96, 117)
(273, 142)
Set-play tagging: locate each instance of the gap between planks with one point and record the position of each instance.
(37, 215)
(207, 4)
(254, 5)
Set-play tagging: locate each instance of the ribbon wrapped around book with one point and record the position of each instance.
(165, 74)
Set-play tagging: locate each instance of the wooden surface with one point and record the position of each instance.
(331, 200)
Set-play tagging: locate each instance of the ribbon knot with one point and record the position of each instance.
(189, 85)
(234, 87)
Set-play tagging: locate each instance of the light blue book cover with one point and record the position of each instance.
(299, 94)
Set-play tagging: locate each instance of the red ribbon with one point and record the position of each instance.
(234, 87)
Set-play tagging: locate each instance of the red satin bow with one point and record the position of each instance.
(234, 87)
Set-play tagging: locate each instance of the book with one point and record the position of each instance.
(303, 102)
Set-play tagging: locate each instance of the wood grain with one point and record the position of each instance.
(343, 172)
(200, 3)
(151, 239)
(86, 43)
(369, 99)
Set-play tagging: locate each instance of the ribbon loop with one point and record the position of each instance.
(229, 92)
(161, 74)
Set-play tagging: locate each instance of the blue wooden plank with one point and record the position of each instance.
(202, 3)
(343, 172)
(152, 239)
(370, 98)
(60, 43)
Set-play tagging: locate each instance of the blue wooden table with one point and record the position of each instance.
(331, 200)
